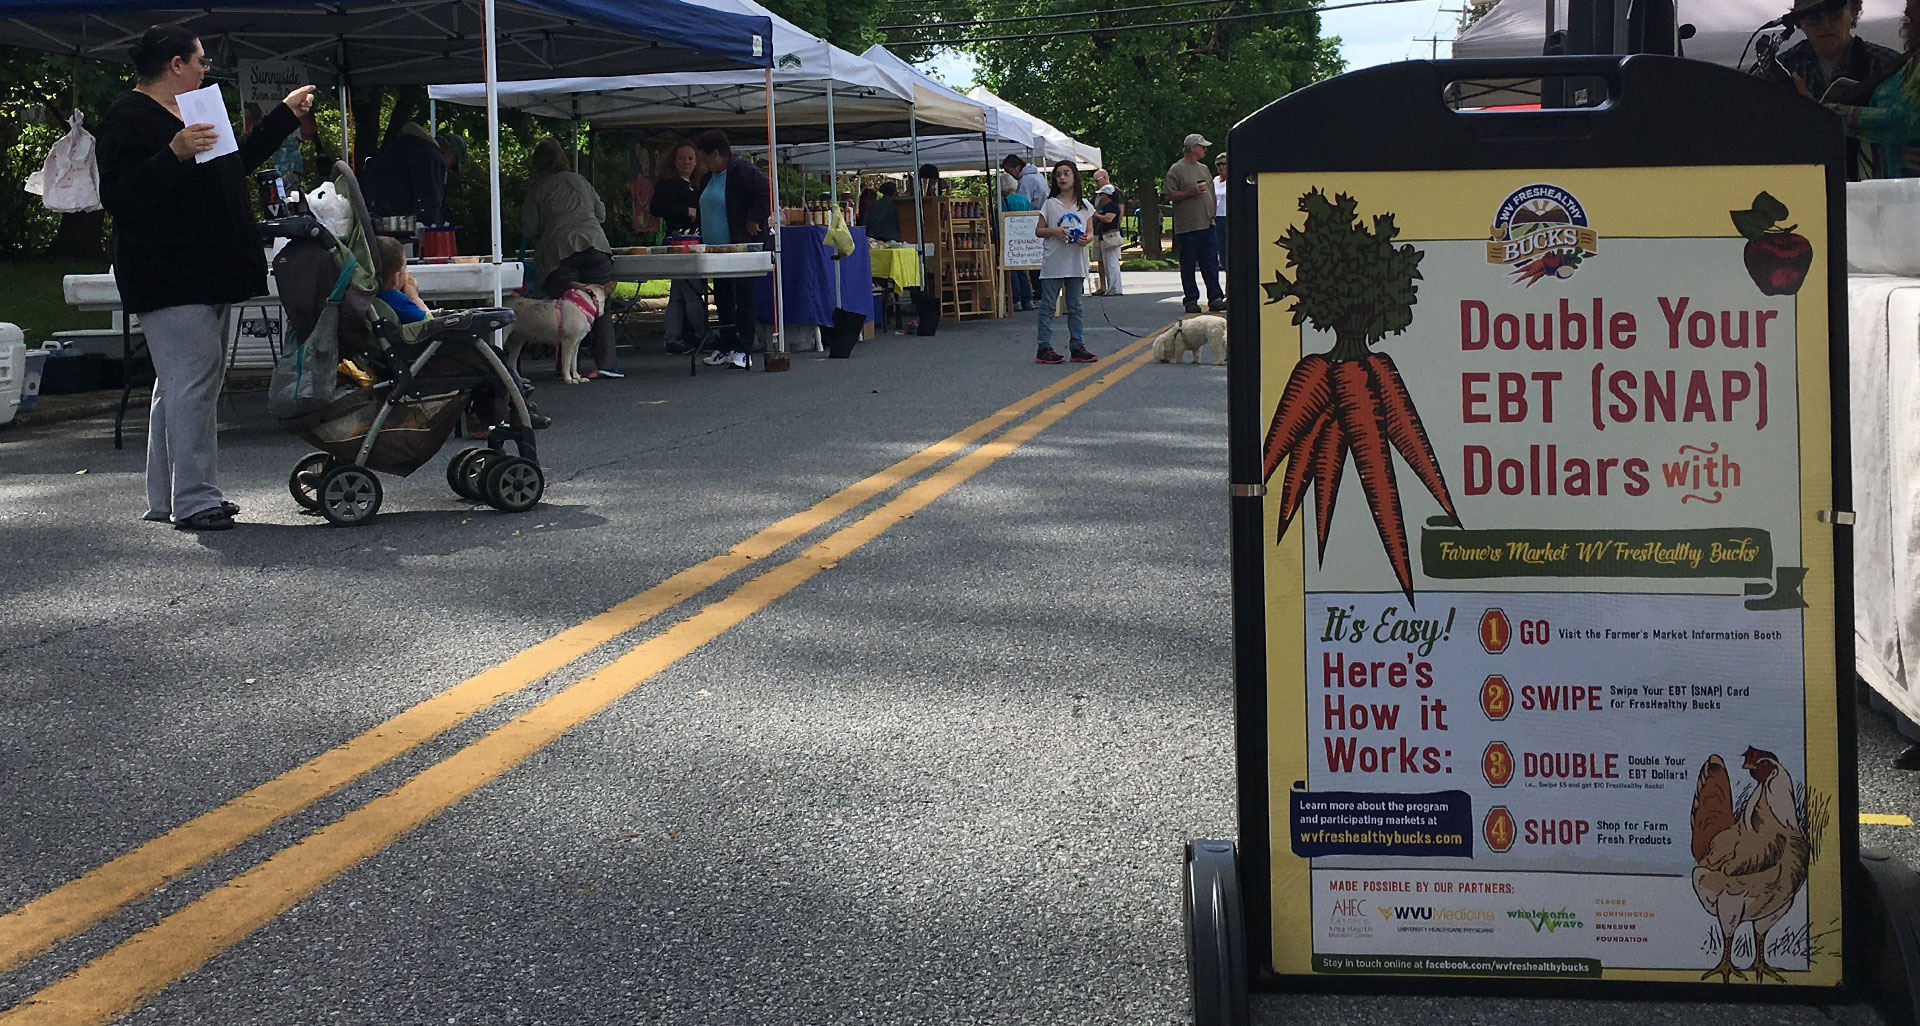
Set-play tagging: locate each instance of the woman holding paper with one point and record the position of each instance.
(184, 250)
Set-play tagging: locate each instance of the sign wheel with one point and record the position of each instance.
(1216, 935)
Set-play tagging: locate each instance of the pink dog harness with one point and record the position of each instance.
(575, 297)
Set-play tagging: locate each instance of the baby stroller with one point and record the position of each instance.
(411, 384)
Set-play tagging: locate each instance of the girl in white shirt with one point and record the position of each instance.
(1066, 224)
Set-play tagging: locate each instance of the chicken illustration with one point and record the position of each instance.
(1749, 863)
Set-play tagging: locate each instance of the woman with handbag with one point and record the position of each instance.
(1107, 236)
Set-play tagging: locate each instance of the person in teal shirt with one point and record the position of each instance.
(1011, 200)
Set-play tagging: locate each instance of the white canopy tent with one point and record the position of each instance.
(1722, 28)
(1001, 131)
(1050, 144)
(816, 85)
(816, 90)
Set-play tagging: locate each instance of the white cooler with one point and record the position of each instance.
(13, 371)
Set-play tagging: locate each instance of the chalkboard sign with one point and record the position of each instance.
(1019, 250)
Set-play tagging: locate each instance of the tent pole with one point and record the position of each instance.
(493, 141)
(773, 224)
(993, 213)
(833, 188)
(433, 117)
(913, 183)
(576, 135)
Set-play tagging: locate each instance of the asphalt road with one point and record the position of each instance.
(929, 758)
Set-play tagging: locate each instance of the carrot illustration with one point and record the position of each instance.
(1356, 402)
(1408, 435)
(1328, 460)
(1355, 283)
(1293, 487)
(1304, 399)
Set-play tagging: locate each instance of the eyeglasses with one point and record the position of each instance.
(205, 62)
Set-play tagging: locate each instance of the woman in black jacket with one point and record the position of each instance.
(677, 206)
(735, 207)
(184, 249)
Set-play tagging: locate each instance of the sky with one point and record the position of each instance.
(1381, 35)
(1368, 36)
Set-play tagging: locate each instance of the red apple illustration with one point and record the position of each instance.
(1777, 258)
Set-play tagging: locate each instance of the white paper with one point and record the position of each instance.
(204, 106)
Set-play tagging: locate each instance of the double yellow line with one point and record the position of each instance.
(128, 974)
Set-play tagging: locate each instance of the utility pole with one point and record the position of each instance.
(1433, 47)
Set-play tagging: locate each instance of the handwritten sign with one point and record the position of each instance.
(1019, 250)
(265, 83)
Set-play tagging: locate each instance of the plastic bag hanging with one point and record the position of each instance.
(70, 179)
(838, 236)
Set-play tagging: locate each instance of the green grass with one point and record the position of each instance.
(654, 289)
(1144, 264)
(35, 302)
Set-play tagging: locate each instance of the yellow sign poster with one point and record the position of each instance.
(1548, 598)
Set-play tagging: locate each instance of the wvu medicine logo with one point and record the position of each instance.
(1540, 231)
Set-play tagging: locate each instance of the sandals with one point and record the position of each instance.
(215, 518)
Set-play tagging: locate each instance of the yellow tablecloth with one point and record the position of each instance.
(897, 266)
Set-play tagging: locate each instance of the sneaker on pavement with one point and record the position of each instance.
(1217, 306)
(613, 374)
(738, 359)
(1081, 355)
(716, 358)
(1192, 307)
(1048, 355)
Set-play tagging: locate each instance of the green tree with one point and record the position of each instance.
(849, 24)
(1137, 93)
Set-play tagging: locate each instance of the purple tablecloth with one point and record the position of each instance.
(807, 264)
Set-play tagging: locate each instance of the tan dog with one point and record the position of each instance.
(560, 323)
(1188, 334)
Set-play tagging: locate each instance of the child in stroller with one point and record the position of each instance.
(401, 293)
(414, 380)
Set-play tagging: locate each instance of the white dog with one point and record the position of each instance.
(1187, 336)
(560, 323)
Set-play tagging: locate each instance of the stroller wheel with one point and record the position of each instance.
(514, 484)
(304, 482)
(457, 474)
(349, 495)
(472, 472)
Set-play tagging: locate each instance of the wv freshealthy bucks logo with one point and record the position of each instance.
(1540, 230)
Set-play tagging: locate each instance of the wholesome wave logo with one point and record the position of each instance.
(1547, 919)
(1539, 231)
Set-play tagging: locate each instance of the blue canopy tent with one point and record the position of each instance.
(403, 42)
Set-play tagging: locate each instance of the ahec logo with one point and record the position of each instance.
(1540, 231)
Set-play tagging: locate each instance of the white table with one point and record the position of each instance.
(658, 266)
(438, 283)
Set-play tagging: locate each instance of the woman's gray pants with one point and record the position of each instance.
(189, 347)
